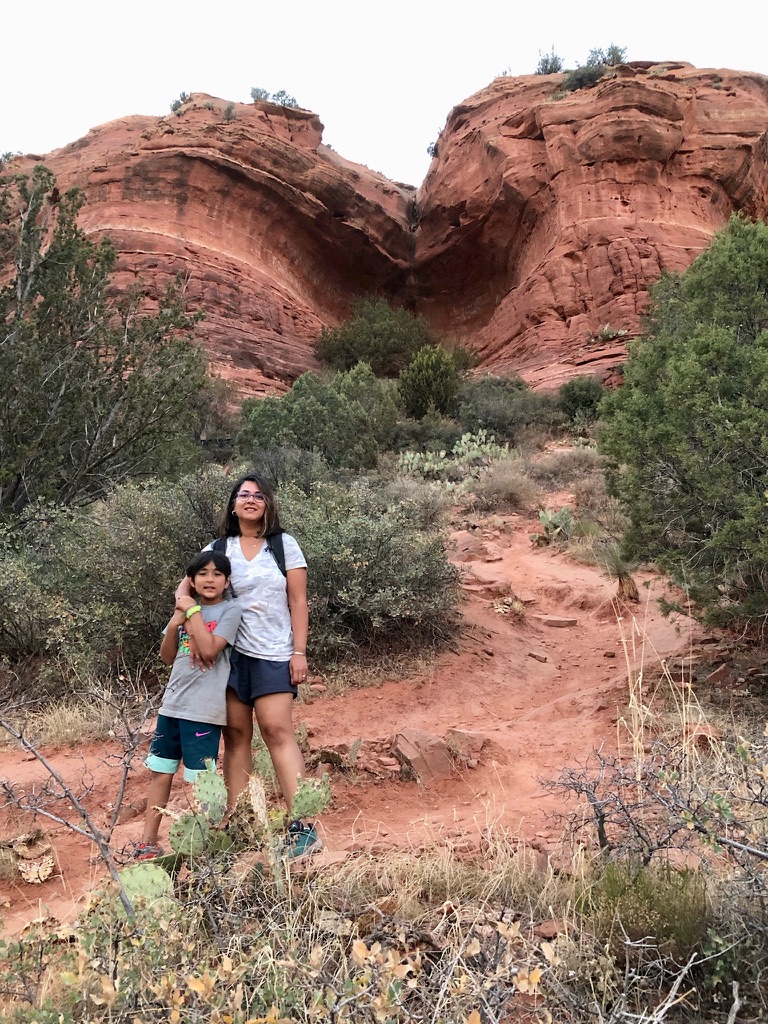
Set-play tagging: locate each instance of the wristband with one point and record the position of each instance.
(299, 652)
(191, 611)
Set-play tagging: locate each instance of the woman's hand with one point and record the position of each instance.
(298, 666)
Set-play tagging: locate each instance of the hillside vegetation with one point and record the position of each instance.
(105, 491)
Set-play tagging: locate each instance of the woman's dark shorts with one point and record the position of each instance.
(252, 678)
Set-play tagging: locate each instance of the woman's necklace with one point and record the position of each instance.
(251, 543)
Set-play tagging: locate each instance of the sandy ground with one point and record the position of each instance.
(543, 688)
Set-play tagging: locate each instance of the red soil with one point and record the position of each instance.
(538, 716)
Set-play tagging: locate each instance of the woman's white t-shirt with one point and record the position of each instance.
(262, 592)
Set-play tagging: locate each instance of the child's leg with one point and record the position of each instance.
(163, 761)
(157, 796)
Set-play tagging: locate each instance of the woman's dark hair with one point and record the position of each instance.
(200, 561)
(270, 524)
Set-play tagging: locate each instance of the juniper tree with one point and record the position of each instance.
(95, 390)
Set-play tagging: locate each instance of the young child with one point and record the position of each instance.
(194, 705)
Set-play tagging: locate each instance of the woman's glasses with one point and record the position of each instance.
(256, 495)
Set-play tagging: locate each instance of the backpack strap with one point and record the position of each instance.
(220, 544)
(276, 549)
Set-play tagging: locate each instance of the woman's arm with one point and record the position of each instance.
(296, 580)
(169, 647)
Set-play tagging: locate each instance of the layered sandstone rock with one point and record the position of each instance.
(545, 216)
(543, 219)
(273, 231)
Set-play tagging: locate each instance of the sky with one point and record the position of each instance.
(382, 77)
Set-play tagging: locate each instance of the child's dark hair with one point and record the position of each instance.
(200, 561)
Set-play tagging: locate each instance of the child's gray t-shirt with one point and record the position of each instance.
(196, 695)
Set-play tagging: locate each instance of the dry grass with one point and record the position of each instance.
(65, 724)
(560, 469)
(592, 501)
(505, 486)
(349, 675)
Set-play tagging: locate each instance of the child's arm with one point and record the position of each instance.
(169, 647)
(209, 646)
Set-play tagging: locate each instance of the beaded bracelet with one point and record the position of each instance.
(191, 611)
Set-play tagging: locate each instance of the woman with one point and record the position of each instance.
(269, 653)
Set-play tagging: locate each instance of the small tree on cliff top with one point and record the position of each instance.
(687, 431)
(95, 391)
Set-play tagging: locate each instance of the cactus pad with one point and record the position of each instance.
(312, 797)
(188, 834)
(210, 796)
(145, 881)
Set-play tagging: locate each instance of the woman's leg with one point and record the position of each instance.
(237, 762)
(157, 796)
(274, 714)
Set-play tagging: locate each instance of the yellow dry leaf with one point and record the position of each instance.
(359, 952)
(36, 871)
(473, 1018)
(401, 970)
(473, 947)
(204, 985)
(528, 981)
(549, 953)
(507, 931)
(316, 957)
(226, 965)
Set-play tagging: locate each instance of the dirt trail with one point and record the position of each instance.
(544, 688)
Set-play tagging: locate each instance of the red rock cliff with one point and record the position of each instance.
(544, 216)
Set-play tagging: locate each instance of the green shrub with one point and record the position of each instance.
(432, 432)
(503, 406)
(549, 63)
(686, 432)
(430, 382)
(32, 619)
(385, 338)
(607, 58)
(634, 907)
(422, 503)
(313, 416)
(377, 398)
(376, 583)
(583, 77)
(580, 398)
(287, 465)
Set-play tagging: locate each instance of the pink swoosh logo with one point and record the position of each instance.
(203, 733)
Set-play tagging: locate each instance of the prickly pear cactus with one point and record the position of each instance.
(188, 835)
(312, 797)
(210, 796)
(263, 767)
(147, 883)
(249, 823)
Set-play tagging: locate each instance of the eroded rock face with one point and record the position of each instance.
(544, 217)
(275, 232)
